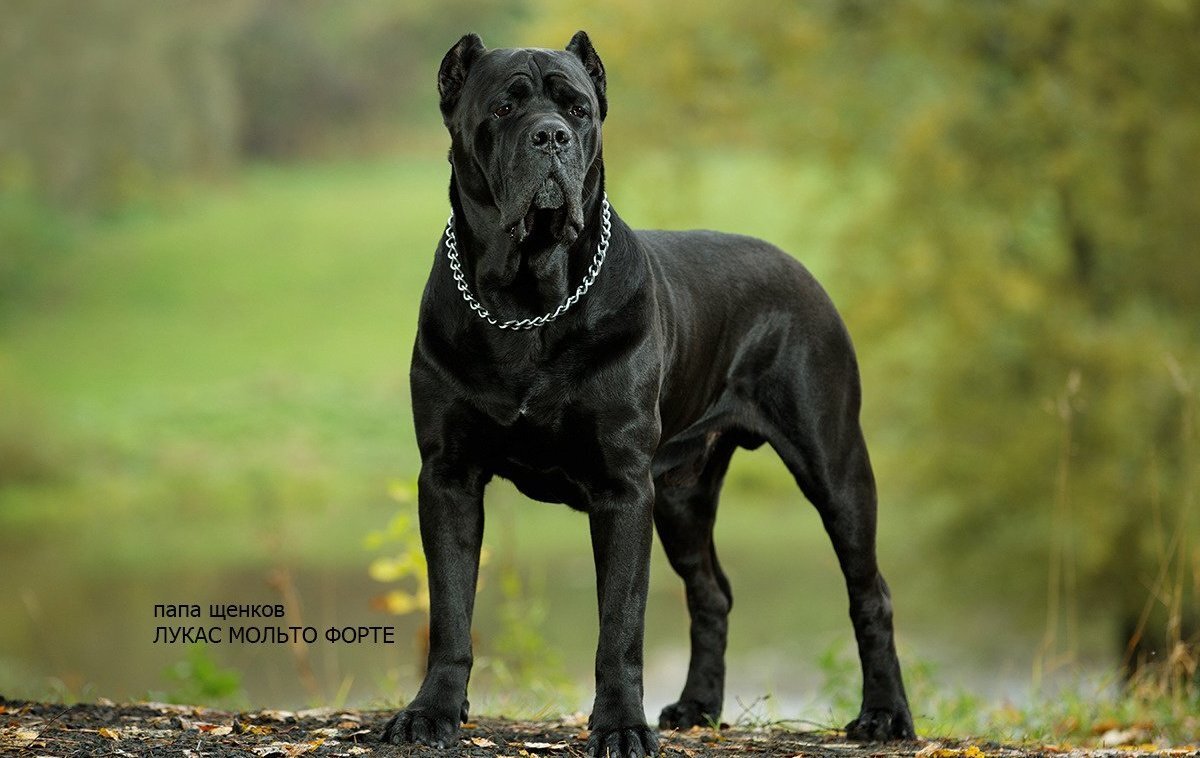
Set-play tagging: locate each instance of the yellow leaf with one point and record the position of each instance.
(17, 737)
(401, 492)
(396, 602)
(111, 734)
(385, 570)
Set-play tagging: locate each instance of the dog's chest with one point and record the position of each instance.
(545, 444)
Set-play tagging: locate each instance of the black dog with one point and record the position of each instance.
(616, 371)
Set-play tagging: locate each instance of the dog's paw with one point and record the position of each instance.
(625, 742)
(882, 725)
(688, 713)
(422, 725)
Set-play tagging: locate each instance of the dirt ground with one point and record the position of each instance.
(156, 729)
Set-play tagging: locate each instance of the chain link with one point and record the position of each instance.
(531, 323)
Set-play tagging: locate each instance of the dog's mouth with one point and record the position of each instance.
(549, 219)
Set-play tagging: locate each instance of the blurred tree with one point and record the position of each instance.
(314, 75)
(104, 100)
(1025, 292)
(1042, 226)
(105, 103)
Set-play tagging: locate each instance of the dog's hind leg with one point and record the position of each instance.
(810, 408)
(684, 516)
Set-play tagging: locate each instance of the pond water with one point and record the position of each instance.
(83, 631)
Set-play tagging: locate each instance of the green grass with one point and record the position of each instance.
(232, 367)
(241, 355)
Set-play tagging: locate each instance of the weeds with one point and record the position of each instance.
(520, 659)
(198, 679)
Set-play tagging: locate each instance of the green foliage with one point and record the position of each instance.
(940, 710)
(528, 670)
(1083, 712)
(199, 679)
(1035, 233)
(406, 561)
(34, 240)
(840, 683)
(1041, 172)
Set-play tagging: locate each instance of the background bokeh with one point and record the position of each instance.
(215, 224)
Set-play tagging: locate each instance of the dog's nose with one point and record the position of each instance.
(550, 135)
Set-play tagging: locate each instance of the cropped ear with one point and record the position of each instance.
(455, 66)
(581, 46)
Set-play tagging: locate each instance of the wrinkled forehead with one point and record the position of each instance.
(499, 70)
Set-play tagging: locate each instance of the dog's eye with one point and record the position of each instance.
(502, 111)
(578, 111)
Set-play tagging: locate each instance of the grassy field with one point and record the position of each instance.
(238, 358)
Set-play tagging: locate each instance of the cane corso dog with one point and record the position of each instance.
(616, 371)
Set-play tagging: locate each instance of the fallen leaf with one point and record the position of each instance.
(137, 732)
(190, 710)
(286, 749)
(1121, 737)
(578, 718)
(276, 715)
(13, 737)
(935, 750)
(111, 734)
(1105, 725)
(545, 746)
(325, 732)
(482, 742)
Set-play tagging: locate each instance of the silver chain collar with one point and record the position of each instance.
(531, 323)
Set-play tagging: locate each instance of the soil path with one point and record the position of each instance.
(154, 729)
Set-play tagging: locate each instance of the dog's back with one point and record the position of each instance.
(718, 293)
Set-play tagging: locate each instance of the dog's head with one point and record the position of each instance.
(525, 132)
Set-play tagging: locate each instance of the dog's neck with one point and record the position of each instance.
(521, 280)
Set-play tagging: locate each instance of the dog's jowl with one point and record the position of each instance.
(616, 371)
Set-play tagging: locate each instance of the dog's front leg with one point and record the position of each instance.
(621, 526)
(451, 512)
